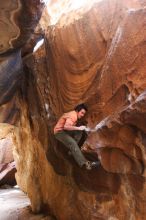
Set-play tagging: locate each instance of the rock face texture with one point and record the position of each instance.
(7, 164)
(17, 21)
(96, 56)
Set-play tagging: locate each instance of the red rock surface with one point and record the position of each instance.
(7, 174)
(97, 59)
(18, 20)
(96, 56)
(7, 164)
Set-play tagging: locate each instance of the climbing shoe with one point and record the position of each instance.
(89, 165)
(95, 164)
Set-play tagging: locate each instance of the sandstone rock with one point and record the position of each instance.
(6, 150)
(7, 174)
(7, 164)
(97, 58)
(18, 20)
(10, 75)
(83, 63)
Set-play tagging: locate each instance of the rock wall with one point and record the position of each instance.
(18, 20)
(97, 58)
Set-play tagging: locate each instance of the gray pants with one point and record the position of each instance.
(71, 139)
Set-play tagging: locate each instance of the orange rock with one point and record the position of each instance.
(97, 58)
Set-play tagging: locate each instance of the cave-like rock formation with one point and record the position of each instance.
(96, 56)
(17, 21)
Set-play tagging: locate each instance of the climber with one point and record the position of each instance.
(67, 132)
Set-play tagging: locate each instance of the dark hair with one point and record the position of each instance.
(81, 106)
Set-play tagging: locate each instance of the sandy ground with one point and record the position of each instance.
(15, 205)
